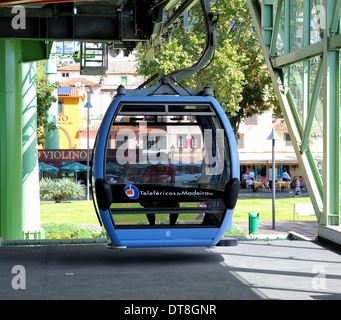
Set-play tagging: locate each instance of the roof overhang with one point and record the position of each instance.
(266, 158)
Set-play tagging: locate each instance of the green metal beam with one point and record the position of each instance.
(306, 23)
(293, 57)
(335, 42)
(276, 28)
(294, 113)
(312, 108)
(280, 77)
(336, 16)
(34, 50)
(267, 21)
(306, 62)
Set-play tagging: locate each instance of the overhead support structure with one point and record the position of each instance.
(124, 24)
(166, 84)
(301, 43)
(111, 26)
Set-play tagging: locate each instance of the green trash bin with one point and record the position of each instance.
(253, 222)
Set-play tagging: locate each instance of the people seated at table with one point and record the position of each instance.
(243, 180)
(257, 183)
(265, 182)
(252, 174)
(249, 182)
(280, 184)
(286, 176)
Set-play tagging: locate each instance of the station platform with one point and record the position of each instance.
(252, 270)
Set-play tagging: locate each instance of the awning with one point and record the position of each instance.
(266, 157)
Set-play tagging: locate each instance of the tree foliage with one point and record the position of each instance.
(237, 74)
(45, 98)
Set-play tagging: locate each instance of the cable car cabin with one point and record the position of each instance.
(166, 171)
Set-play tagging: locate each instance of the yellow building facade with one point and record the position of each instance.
(70, 103)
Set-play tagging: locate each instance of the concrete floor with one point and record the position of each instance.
(251, 270)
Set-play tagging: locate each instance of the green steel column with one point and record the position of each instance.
(11, 224)
(280, 79)
(286, 69)
(306, 62)
(30, 172)
(52, 137)
(331, 126)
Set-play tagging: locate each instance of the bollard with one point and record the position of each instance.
(253, 222)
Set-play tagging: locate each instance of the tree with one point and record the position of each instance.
(184, 49)
(258, 95)
(237, 74)
(45, 98)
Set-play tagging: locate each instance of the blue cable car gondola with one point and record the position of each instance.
(165, 164)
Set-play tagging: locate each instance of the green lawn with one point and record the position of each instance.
(68, 211)
(283, 208)
(84, 212)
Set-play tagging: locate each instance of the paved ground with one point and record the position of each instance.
(243, 193)
(251, 270)
(308, 229)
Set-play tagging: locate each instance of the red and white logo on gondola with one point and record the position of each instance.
(131, 191)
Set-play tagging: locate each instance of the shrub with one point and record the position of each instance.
(59, 189)
(68, 230)
(61, 230)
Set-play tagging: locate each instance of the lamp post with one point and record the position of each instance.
(88, 106)
(273, 136)
(172, 149)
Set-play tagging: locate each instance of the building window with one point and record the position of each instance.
(124, 81)
(65, 74)
(240, 141)
(196, 142)
(181, 142)
(253, 120)
(287, 139)
(185, 141)
(60, 106)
